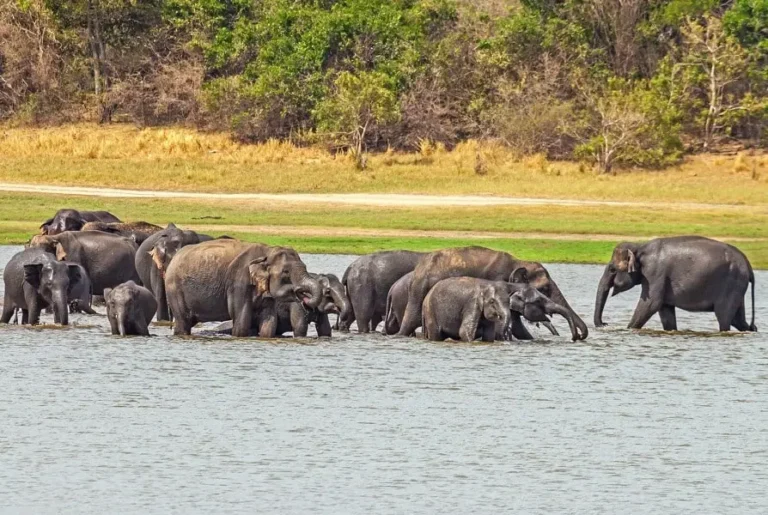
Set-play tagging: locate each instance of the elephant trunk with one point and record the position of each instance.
(61, 307)
(558, 298)
(311, 290)
(551, 328)
(342, 303)
(121, 323)
(568, 314)
(606, 283)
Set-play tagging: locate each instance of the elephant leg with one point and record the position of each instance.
(161, 296)
(24, 316)
(8, 309)
(740, 319)
(85, 308)
(649, 304)
(268, 324)
(182, 326)
(518, 329)
(299, 321)
(375, 321)
(468, 328)
(725, 313)
(141, 328)
(668, 317)
(488, 331)
(323, 326)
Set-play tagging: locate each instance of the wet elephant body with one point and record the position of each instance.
(34, 280)
(130, 309)
(139, 231)
(81, 293)
(480, 263)
(295, 317)
(73, 220)
(529, 303)
(368, 281)
(154, 256)
(108, 259)
(692, 273)
(397, 301)
(227, 279)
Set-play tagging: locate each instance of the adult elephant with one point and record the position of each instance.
(368, 280)
(107, 258)
(687, 272)
(481, 263)
(153, 257)
(227, 279)
(139, 231)
(33, 281)
(74, 220)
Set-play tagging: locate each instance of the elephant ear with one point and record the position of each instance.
(106, 293)
(517, 302)
(158, 255)
(32, 274)
(631, 266)
(519, 276)
(258, 271)
(61, 254)
(75, 275)
(170, 225)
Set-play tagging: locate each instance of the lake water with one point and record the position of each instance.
(621, 423)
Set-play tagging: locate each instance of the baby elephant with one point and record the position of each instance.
(130, 309)
(296, 317)
(534, 306)
(463, 307)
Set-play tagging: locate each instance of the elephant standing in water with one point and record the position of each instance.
(33, 281)
(295, 317)
(130, 309)
(227, 279)
(368, 280)
(687, 272)
(481, 263)
(74, 220)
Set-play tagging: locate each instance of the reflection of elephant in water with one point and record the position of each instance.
(154, 256)
(107, 258)
(686, 272)
(74, 220)
(368, 280)
(139, 231)
(295, 317)
(481, 263)
(130, 309)
(35, 280)
(230, 280)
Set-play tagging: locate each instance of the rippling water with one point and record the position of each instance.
(621, 423)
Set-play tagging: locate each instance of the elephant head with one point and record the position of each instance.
(334, 296)
(166, 247)
(122, 307)
(495, 305)
(282, 275)
(54, 282)
(535, 307)
(622, 273)
(50, 244)
(64, 220)
(535, 275)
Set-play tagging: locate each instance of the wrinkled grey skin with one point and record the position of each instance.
(108, 259)
(34, 280)
(130, 309)
(481, 263)
(138, 231)
(73, 220)
(525, 301)
(397, 300)
(462, 308)
(80, 294)
(687, 272)
(296, 317)
(226, 279)
(153, 257)
(368, 281)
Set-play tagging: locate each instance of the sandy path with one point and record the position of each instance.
(366, 199)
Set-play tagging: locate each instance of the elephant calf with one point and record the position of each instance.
(130, 309)
(296, 317)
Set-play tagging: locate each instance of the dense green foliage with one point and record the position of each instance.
(614, 81)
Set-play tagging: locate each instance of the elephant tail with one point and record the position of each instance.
(752, 326)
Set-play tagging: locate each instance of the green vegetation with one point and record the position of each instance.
(621, 83)
(580, 234)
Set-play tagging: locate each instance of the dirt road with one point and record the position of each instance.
(367, 199)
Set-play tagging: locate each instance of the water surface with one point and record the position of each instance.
(625, 422)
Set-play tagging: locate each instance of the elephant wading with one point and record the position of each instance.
(368, 280)
(130, 309)
(481, 263)
(223, 280)
(74, 220)
(33, 281)
(295, 316)
(687, 272)
(397, 301)
(153, 257)
(107, 258)
(525, 301)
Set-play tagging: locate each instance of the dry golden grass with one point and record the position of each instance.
(183, 159)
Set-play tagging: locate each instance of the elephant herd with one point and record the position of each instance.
(144, 272)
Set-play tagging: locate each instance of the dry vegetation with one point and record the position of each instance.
(182, 159)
